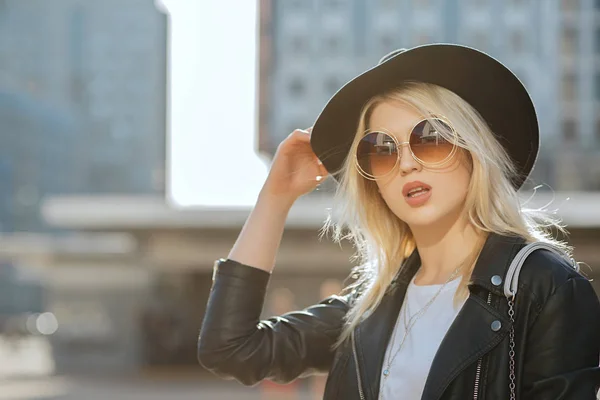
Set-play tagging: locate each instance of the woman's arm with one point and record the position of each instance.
(235, 344)
(295, 171)
(261, 235)
(563, 346)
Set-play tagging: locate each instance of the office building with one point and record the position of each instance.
(83, 102)
(310, 48)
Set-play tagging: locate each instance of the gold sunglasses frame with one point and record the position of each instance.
(399, 145)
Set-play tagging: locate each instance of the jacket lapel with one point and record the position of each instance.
(373, 334)
(471, 335)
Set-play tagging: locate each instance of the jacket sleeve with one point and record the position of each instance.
(563, 346)
(235, 344)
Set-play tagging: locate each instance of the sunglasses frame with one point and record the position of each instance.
(399, 145)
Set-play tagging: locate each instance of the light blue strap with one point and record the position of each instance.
(512, 276)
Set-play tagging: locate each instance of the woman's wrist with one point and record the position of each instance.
(275, 201)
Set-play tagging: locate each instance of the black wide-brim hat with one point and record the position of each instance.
(479, 79)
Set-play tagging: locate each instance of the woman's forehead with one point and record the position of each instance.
(395, 118)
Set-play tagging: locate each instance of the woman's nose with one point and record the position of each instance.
(407, 161)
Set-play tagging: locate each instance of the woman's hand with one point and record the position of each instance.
(295, 170)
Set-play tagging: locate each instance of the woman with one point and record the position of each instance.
(429, 149)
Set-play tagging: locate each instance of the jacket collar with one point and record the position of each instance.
(493, 261)
(469, 336)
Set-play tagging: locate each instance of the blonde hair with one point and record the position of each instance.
(383, 241)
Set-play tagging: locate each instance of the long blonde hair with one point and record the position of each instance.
(383, 241)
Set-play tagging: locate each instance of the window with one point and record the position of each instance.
(569, 40)
(423, 38)
(569, 87)
(598, 39)
(389, 5)
(597, 86)
(422, 3)
(333, 84)
(76, 47)
(299, 45)
(332, 4)
(297, 5)
(478, 3)
(297, 87)
(387, 42)
(480, 40)
(517, 42)
(569, 130)
(77, 25)
(570, 5)
(332, 45)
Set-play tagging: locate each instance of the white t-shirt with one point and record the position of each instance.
(410, 368)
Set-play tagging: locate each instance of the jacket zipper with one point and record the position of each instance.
(479, 362)
(360, 389)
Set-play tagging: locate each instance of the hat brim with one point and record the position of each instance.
(479, 79)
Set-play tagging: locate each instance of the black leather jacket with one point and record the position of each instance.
(557, 334)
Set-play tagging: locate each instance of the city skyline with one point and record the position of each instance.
(95, 81)
(83, 95)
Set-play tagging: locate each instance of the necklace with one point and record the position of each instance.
(411, 322)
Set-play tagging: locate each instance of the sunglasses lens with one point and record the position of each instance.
(432, 141)
(377, 154)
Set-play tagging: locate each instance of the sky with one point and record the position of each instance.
(212, 130)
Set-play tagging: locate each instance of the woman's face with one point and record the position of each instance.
(445, 187)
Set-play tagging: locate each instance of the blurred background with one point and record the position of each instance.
(103, 280)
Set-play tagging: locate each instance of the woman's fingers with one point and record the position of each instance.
(323, 170)
(302, 135)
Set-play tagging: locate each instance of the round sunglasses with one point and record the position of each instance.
(432, 143)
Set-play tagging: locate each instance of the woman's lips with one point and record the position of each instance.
(418, 199)
(412, 186)
(416, 193)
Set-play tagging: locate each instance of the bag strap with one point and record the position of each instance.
(511, 284)
(511, 281)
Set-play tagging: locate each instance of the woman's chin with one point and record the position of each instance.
(422, 216)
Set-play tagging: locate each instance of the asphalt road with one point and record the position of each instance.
(77, 388)
(26, 369)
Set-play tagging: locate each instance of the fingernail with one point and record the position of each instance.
(319, 177)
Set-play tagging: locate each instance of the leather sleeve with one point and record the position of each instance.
(563, 346)
(235, 344)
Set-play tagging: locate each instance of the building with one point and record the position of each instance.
(578, 138)
(310, 48)
(36, 158)
(82, 102)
